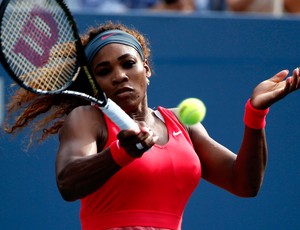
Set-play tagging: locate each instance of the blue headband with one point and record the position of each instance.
(111, 36)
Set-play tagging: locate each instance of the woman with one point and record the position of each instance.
(189, 6)
(267, 6)
(142, 179)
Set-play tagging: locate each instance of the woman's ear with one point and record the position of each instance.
(147, 68)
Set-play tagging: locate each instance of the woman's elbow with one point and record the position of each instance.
(66, 186)
(249, 194)
(66, 192)
(250, 190)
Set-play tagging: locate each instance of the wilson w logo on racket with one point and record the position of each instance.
(38, 35)
(38, 44)
(42, 51)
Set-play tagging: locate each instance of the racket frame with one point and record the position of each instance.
(109, 107)
(81, 62)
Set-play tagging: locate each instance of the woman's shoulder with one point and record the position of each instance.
(175, 110)
(196, 129)
(83, 117)
(84, 112)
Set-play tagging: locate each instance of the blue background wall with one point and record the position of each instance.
(218, 58)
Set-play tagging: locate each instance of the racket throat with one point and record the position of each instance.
(101, 102)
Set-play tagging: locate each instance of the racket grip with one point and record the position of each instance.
(118, 116)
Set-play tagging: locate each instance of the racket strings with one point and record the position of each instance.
(38, 43)
(10, 27)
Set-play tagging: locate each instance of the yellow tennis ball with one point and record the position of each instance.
(191, 111)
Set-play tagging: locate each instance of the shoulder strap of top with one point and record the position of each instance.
(169, 116)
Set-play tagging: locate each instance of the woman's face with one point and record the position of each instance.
(122, 75)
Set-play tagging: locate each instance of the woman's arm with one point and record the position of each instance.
(80, 169)
(242, 174)
(239, 5)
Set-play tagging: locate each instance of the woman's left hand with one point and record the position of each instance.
(274, 89)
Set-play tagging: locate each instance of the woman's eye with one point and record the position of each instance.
(128, 64)
(102, 72)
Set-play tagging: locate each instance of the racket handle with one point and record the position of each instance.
(118, 116)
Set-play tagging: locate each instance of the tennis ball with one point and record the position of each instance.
(191, 111)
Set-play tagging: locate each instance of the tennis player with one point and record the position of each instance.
(142, 179)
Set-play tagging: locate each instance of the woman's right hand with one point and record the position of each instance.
(135, 143)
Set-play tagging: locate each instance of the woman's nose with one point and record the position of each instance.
(119, 76)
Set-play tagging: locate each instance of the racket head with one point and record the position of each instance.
(40, 45)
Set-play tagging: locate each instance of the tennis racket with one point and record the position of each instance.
(41, 50)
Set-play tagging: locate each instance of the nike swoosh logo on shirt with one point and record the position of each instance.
(176, 133)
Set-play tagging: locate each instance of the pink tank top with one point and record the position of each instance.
(152, 190)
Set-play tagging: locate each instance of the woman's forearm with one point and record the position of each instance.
(85, 175)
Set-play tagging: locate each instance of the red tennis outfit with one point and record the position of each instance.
(152, 190)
